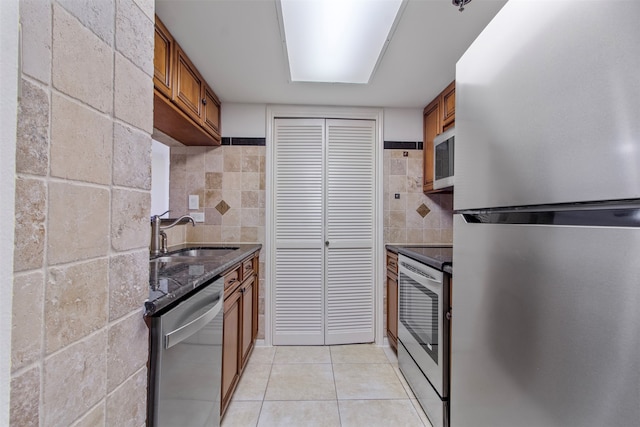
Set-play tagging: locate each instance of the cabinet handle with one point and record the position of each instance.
(204, 101)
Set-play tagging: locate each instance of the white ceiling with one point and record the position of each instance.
(236, 46)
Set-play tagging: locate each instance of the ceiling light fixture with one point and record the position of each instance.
(461, 3)
(336, 41)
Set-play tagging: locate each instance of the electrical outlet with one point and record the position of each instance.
(405, 154)
(194, 201)
(198, 216)
(396, 195)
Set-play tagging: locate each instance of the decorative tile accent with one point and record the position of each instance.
(403, 145)
(259, 142)
(423, 210)
(223, 207)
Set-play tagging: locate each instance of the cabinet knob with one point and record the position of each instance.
(204, 101)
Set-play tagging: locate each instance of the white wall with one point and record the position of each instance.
(248, 120)
(8, 115)
(403, 124)
(244, 120)
(160, 154)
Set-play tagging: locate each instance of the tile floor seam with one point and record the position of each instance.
(335, 388)
(265, 414)
(265, 388)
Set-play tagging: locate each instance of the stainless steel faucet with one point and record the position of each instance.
(159, 237)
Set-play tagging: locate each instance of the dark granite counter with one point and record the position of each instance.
(172, 280)
(440, 257)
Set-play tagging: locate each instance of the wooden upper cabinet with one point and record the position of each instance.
(438, 116)
(448, 106)
(163, 59)
(211, 112)
(431, 128)
(188, 86)
(185, 107)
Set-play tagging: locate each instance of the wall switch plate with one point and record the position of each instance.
(194, 201)
(396, 195)
(198, 216)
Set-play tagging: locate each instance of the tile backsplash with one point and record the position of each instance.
(230, 183)
(413, 218)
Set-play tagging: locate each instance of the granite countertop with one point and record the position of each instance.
(437, 256)
(170, 281)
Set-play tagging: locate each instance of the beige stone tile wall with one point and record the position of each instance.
(83, 163)
(403, 224)
(233, 174)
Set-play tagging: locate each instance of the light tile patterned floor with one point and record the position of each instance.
(348, 385)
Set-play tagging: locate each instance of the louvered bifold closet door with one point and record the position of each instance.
(350, 189)
(299, 232)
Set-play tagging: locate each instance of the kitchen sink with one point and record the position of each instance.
(186, 255)
(205, 252)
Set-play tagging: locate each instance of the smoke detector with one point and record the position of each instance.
(460, 3)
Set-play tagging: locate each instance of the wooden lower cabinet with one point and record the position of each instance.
(230, 347)
(248, 304)
(392, 299)
(240, 324)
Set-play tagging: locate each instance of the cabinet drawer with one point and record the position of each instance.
(392, 262)
(231, 279)
(247, 267)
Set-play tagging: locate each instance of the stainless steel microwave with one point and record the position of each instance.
(443, 150)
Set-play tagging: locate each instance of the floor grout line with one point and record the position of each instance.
(332, 356)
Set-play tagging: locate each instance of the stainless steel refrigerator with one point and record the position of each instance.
(546, 284)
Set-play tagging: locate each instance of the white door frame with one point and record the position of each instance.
(324, 112)
(9, 70)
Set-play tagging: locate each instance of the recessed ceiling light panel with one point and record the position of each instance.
(336, 41)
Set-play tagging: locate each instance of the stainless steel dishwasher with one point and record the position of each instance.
(186, 361)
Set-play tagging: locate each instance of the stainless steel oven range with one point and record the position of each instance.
(424, 313)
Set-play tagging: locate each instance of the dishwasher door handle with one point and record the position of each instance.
(183, 332)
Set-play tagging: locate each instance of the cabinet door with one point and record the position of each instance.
(431, 128)
(211, 112)
(187, 86)
(392, 310)
(162, 59)
(256, 295)
(230, 347)
(248, 305)
(448, 106)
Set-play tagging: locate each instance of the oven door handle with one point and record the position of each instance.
(183, 332)
(418, 273)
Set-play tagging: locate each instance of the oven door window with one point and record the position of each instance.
(419, 314)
